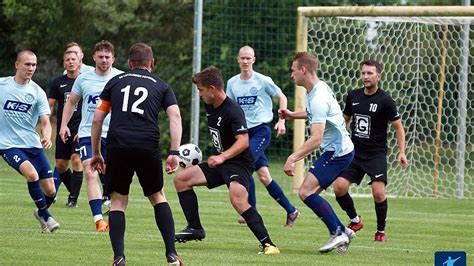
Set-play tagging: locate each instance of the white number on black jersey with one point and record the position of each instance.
(139, 90)
(373, 107)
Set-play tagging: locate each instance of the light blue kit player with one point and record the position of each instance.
(328, 132)
(253, 92)
(22, 102)
(89, 86)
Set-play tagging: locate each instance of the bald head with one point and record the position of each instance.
(246, 59)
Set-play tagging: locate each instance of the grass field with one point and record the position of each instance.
(416, 229)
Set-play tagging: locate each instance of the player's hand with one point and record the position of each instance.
(402, 160)
(289, 167)
(97, 163)
(46, 143)
(215, 160)
(285, 113)
(172, 164)
(64, 133)
(280, 128)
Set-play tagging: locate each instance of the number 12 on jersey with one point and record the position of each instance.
(138, 91)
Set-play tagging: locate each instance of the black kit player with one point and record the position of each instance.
(134, 100)
(231, 165)
(371, 109)
(67, 152)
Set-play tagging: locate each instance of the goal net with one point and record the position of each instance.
(428, 66)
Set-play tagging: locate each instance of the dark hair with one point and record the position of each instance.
(374, 63)
(306, 59)
(209, 76)
(140, 54)
(104, 45)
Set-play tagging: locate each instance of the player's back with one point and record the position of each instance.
(136, 99)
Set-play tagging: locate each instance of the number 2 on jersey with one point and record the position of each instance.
(139, 90)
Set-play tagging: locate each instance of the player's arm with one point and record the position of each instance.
(280, 125)
(101, 111)
(241, 143)
(68, 110)
(287, 114)
(176, 131)
(52, 103)
(400, 135)
(312, 143)
(45, 131)
(347, 120)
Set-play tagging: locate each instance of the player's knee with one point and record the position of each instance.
(340, 187)
(61, 165)
(303, 193)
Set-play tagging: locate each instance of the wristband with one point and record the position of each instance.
(173, 152)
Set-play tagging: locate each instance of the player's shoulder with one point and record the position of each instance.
(5, 80)
(233, 79)
(260, 76)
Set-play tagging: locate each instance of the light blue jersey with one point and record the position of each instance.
(254, 96)
(322, 107)
(21, 105)
(89, 85)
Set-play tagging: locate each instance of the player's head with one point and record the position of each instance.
(209, 82)
(304, 64)
(75, 47)
(71, 61)
(103, 55)
(140, 55)
(25, 65)
(371, 73)
(246, 58)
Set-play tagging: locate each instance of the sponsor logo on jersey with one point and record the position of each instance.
(246, 100)
(216, 139)
(62, 85)
(92, 99)
(354, 104)
(362, 126)
(16, 106)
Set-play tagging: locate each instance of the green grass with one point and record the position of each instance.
(416, 229)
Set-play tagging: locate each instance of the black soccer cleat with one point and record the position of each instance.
(174, 259)
(119, 261)
(189, 234)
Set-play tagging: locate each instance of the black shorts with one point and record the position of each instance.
(227, 172)
(375, 166)
(121, 164)
(65, 150)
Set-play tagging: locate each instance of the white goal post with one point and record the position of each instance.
(427, 54)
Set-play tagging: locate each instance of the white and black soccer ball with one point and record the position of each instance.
(189, 154)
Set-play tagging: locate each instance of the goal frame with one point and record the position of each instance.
(304, 13)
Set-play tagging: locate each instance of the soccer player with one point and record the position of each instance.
(253, 92)
(88, 86)
(371, 109)
(327, 132)
(231, 165)
(22, 102)
(75, 47)
(68, 151)
(134, 99)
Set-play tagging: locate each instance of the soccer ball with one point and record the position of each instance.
(189, 154)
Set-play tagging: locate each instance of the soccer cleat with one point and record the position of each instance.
(335, 242)
(351, 235)
(241, 220)
(356, 226)
(269, 249)
(44, 225)
(119, 261)
(71, 204)
(173, 259)
(380, 237)
(290, 218)
(101, 226)
(106, 201)
(189, 234)
(52, 224)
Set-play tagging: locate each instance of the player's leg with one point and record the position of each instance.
(95, 197)
(61, 173)
(353, 174)
(238, 197)
(184, 183)
(76, 180)
(117, 223)
(381, 207)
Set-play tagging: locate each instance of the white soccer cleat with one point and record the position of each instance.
(44, 225)
(335, 242)
(52, 224)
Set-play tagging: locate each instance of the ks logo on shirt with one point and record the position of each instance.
(16, 106)
(246, 100)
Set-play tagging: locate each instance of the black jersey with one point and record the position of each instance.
(60, 90)
(224, 123)
(136, 98)
(370, 117)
